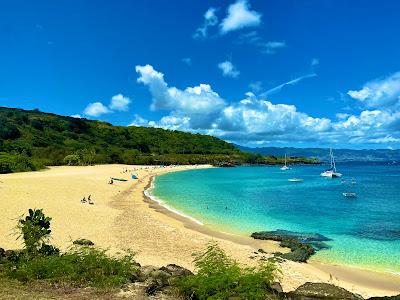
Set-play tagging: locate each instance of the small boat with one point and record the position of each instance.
(296, 179)
(134, 176)
(350, 195)
(118, 179)
(285, 167)
(331, 172)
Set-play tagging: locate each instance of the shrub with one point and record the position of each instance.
(220, 277)
(35, 230)
(83, 266)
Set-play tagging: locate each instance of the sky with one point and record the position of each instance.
(313, 73)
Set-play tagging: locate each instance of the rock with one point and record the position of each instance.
(156, 281)
(145, 272)
(386, 298)
(261, 251)
(176, 270)
(83, 242)
(302, 245)
(276, 287)
(322, 291)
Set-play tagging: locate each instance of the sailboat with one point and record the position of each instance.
(285, 167)
(332, 171)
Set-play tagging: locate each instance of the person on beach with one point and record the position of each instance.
(83, 200)
(90, 200)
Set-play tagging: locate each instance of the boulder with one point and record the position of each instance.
(156, 281)
(83, 242)
(321, 291)
(276, 287)
(176, 270)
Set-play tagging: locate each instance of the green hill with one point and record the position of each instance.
(32, 139)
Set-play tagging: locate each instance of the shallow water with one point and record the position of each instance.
(365, 231)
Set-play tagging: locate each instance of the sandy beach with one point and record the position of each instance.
(122, 217)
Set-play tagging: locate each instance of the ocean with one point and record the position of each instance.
(365, 230)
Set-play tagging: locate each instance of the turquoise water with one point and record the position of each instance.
(365, 231)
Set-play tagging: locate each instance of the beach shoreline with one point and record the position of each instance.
(123, 217)
(351, 274)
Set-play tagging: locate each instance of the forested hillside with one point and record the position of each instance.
(31, 139)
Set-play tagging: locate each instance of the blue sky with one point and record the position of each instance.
(257, 73)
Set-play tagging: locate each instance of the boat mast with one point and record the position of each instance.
(333, 165)
(285, 159)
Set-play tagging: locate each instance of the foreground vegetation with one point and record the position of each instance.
(31, 140)
(217, 277)
(220, 277)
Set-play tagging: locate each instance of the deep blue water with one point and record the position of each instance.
(365, 231)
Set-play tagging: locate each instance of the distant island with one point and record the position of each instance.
(31, 140)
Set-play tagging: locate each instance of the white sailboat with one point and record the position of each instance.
(332, 171)
(285, 167)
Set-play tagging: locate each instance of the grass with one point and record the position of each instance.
(80, 266)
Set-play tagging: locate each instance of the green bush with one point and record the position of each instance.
(80, 266)
(220, 277)
(35, 230)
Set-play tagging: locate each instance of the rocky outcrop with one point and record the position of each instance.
(302, 245)
(321, 291)
(156, 279)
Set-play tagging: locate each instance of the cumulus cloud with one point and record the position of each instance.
(96, 109)
(228, 69)
(210, 20)
(380, 93)
(200, 102)
(77, 116)
(119, 102)
(255, 120)
(239, 15)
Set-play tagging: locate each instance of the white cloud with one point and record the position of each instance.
(78, 116)
(272, 46)
(239, 16)
(187, 61)
(384, 140)
(342, 116)
(200, 102)
(96, 109)
(210, 20)
(380, 93)
(265, 47)
(256, 86)
(257, 121)
(228, 69)
(119, 102)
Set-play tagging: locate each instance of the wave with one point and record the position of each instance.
(148, 194)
